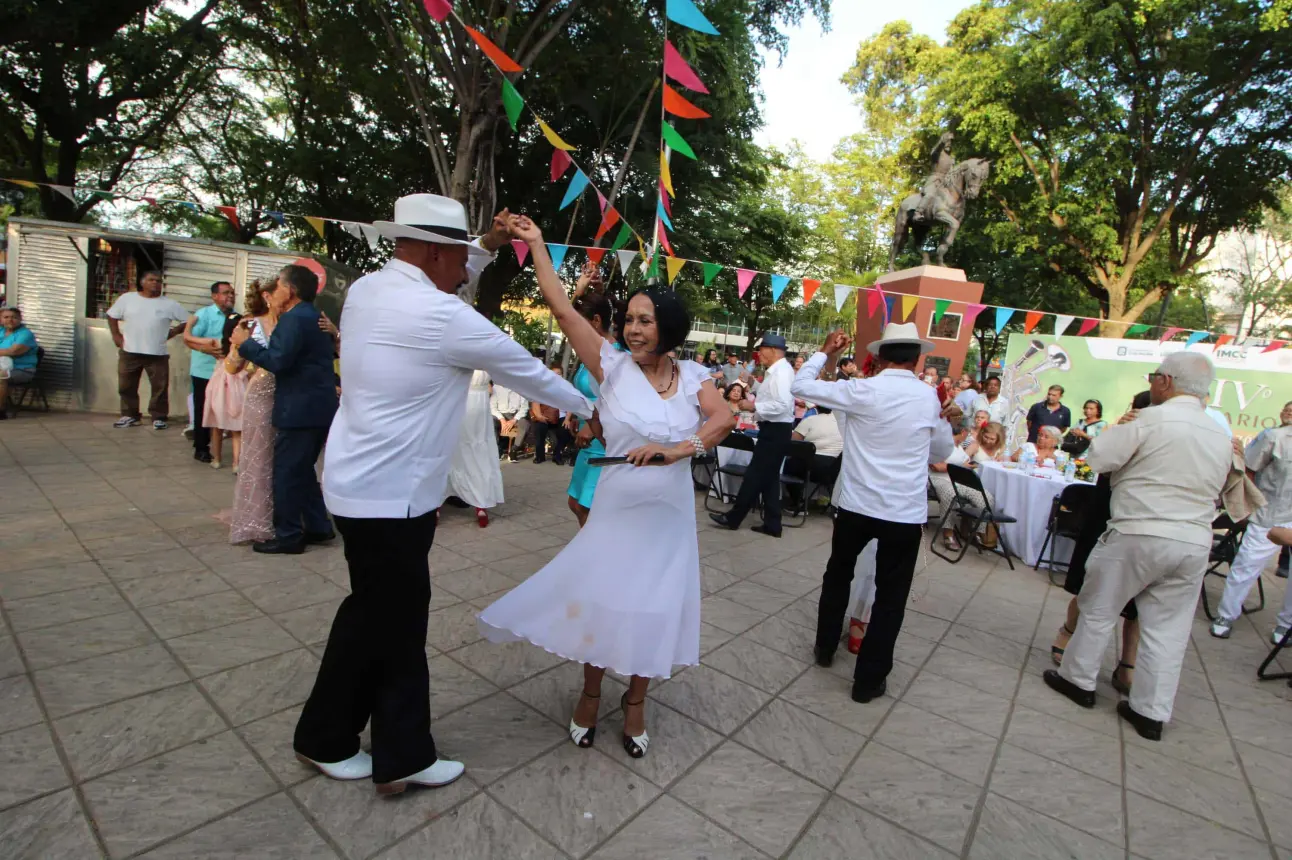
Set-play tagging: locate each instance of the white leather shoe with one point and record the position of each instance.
(357, 766)
(441, 773)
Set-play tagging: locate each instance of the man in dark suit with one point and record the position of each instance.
(299, 356)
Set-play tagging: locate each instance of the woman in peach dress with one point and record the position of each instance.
(225, 393)
(253, 496)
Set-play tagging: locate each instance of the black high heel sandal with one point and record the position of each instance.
(1116, 680)
(1056, 653)
(634, 746)
(581, 735)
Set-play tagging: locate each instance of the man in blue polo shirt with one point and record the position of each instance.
(204, 335)
(1048, 413)
(17, 354)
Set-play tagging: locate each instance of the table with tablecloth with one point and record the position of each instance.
(1028, 499)
(730, 484)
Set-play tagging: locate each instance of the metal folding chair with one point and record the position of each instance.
(1227, 537)
(1274, 652)
(801, 453)
(18, 391)
(1067, 515)
(972, 517)
(736, 442)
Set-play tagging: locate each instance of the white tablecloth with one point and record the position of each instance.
(1026, 498)
(730, 484)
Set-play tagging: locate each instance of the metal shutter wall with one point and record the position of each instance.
(49, 265)
(191, 269)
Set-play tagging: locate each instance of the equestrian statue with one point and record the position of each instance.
(942, 201)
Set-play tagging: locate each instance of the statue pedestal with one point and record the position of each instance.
(951, 337)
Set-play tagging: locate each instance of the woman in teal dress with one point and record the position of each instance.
(595, 308)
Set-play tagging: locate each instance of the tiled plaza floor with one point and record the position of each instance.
(150, 676)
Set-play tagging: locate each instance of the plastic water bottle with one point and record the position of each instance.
(1029, 461)
(1070, 470)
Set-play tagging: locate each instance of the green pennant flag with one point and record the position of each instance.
(625, 233)
(105, 195)
(512, 103)
(1138, 328)
(939, 308)
(675, 140)
(653, 271)
(711, 271)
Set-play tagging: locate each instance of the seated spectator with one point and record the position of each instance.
(1047, 442)
(946, 493)
(17, 354)
(509, 411)
(822, 430)
(991, 444)
(736, 401)
(1087, 428)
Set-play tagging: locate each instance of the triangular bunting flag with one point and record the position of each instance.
(677, 105)
(1030, 321)
(107, 195)
(315, 222)
(608, 219)
(684, 12)
(909, 303)
(666, 200)
(744, 277)
(557, 253)
(1221, 341)
(602, 202)
(554, 139)
(662, 214)
(512, 103)
(152, 201)
(674, 265)
(348, 226)
(193, 206)
(939, 308)
(231, 212)
(1061, 323)
(971, 314)
(560, 163)
(676, 141)
(874, 298)
(779, 283)
(665, 175)
(25, 183)
(810, 286)
(1273, 345)
(522, 250)
(577, 183)
(438, 9)
(1195, 337)
(841, 293)
(1169, 333)
(652, 271)
(276, 217)
(625, 260)
(596, 255)
(370, 235)
(1002, 318)
(493, 52)
(1138, 328)
(1087, 325)
(711, 271)
(625, 233)
(663, 238)
(65, 190)
(890, 303)
(676, 68)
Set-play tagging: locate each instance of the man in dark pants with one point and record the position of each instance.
(299, 356)
(775, 412)
(204, 335)
(546, 422)
(881, 489)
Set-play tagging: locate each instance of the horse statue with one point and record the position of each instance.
(943, 201)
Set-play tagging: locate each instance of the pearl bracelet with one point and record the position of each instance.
(698, 443)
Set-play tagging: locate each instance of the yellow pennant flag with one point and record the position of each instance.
(553, 138)
(24, 183)
(316, 223)
(664, 175)
(909, 304)
(674, 265)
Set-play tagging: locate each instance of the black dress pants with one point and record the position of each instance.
(560, 438)
(201, 435)
(375, 662)
(763, 475)
(899, 549)
(298, 499)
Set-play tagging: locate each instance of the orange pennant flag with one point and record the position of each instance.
(493, 52)
(677, 105)
(674, 265)
(553, 138)
(595, 255)
(664, 175)
(24, 183)
(909, 303)
(1030, 321)
(607, 221)
(809, 289)
(1221, 341)
(316, 223)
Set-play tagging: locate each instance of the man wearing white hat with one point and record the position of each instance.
(410, 348)
(895, 428)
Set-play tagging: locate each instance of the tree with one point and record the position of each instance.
(1258, 268)
(1126, 136)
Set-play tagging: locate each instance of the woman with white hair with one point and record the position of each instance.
(1048, 440)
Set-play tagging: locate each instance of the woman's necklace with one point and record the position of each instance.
(671, 378)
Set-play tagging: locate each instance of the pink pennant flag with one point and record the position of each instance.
(522, 250)
(1087, 325)
(676, 68)
(873, 301)
(1170, 333)
(1273, 345)
(438, 9)
(561, 162)
(663, 199)
(971, 314)
(602, 202)
(744, 277)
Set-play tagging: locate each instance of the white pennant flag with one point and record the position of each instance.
(625, 260)
(1061, 323)
(841, 294)
(351, 228)
(370, 235)
(65, 190)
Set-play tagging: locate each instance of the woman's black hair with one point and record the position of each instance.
(591, 305)
(1099, 407)
(1141, 401)
(671, 319)
(230, 323)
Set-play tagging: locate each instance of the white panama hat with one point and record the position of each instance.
(901, 333)
(429, 218)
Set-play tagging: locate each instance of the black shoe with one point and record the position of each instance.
(1060, 684)
(721, 520)
(824, 659)
(278, 547)
(1281, 572)
(512, 458)
(540, 459)
(319, 537)
(868, 694)
(763, 530)
(203, 456)
(1150, 730)
(454, 501)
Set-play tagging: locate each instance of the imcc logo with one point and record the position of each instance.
(1233, 353)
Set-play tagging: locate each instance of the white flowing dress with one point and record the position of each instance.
(475, 476)
(624, 594)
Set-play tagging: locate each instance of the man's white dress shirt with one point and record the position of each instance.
(409, 353)
(503, 402)
(998, 409)
(1167, 468)
(893, 430)
(774, 401)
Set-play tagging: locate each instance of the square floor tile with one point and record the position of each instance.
(254, 690)
(1161, 832)
(480, 829)
(151, 564)
(169, 587)
(508, 663)
(495, 735)
(755, 664)
(744, 792)
(272, 828)
(223, 647)
(271, 739)
(10, 661)
(759, 597)
(48, 828)
(30, 765)
(194, 614)
(1061, 792)
(1225, 801)
(79, 640)
(674, 832)
(842, 830)
(828, 695)
(716, 700)
(109, 678)
(809, 745)
(1008, 831)
(310, 624)
(781, 635)
(935, 740)
(452, 627)
(76, 605)
(1078, 747)
(283, 595)
(729, 615)
(963, 704)
(554, 692)
(677, 742)
(19, 585)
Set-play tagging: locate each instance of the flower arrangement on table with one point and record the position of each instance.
(1084, 472)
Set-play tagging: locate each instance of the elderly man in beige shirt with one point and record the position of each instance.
(1167, 468)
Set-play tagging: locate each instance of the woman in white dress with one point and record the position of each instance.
(624, 594)
(475, 476)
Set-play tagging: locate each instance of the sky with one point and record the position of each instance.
(804, 97)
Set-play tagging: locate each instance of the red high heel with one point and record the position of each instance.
(482, 517)
(856, 632)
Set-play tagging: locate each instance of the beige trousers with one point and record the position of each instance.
(1163, 576)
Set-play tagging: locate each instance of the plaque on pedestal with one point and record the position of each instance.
(950, 335)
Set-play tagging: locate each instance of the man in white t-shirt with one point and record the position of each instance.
(141, 323)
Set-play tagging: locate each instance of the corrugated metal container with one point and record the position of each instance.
(191, 269)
